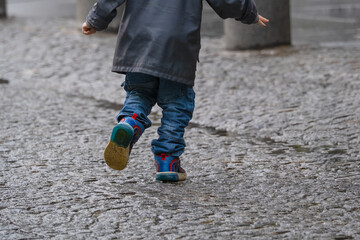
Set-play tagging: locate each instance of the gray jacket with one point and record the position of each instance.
(162, 37)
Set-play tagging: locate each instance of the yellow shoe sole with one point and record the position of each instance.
(116, 156)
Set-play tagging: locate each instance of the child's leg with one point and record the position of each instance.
(141, 90)
(177, 102)
(141, 95)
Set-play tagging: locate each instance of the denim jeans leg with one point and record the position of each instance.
(141, 95)
(177, 102)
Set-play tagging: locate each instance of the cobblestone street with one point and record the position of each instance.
(272, 150)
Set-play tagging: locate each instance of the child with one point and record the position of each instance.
(157, 48)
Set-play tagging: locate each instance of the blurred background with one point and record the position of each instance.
(325, 22)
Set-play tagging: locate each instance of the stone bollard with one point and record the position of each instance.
(83, 7)
(278, 32)
(2, 8)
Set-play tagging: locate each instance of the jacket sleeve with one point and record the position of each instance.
(242, 10)
(102, 13)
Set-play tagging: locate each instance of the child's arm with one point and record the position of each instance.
(101, 14)
(242, 10)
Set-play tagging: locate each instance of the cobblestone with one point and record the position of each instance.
(273, 148)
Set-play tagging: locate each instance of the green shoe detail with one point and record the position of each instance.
(117, 151)
(122, 134)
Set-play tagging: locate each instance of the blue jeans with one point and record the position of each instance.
(176, 100)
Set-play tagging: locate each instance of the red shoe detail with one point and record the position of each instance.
(163, 156)
(157, 166)
(134, 116)
(138, 128)
(176, 161)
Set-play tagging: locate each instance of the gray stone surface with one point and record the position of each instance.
(273, 148)
(241, 36)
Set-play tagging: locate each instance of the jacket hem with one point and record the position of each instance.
(126, 69)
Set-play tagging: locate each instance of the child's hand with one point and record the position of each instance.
(87, 30)
(262, 21)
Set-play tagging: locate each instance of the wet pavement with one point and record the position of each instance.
(272, 150)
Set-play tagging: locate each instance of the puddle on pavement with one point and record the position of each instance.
(4, 81)
(337, 152)
(267, 140)
(90, 180)
(329, 149)
(301, 149)
(99, 102)
(109, 105)
(278, 152)
(213, 130)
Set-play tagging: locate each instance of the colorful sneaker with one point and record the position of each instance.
(168, 168)
(123, 138)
